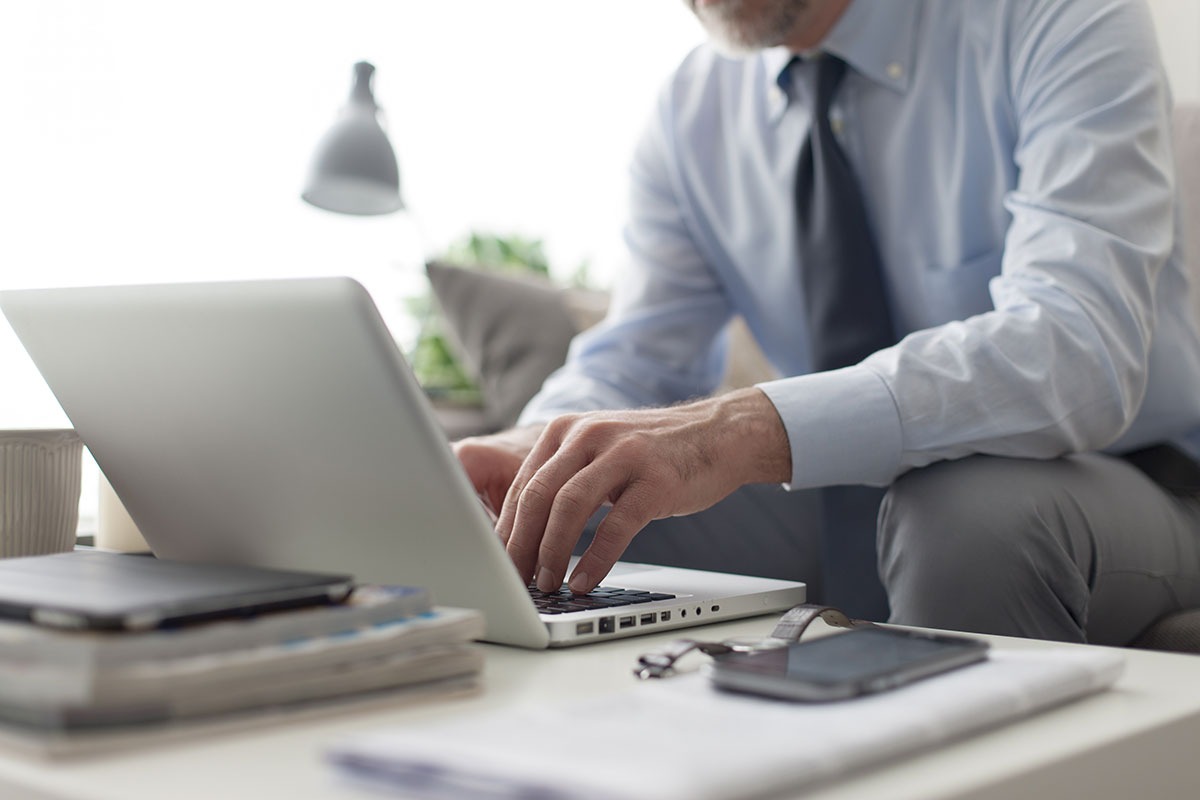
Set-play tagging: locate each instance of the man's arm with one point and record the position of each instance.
(1061, 364)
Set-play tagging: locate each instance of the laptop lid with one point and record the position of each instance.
(275, 424)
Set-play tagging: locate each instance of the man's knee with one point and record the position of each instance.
(975, 544)
(936, 522)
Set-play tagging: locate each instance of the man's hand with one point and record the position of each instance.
(648, 463)
(492, 461)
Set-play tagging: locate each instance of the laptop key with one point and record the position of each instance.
(585, 602)
(564, 600)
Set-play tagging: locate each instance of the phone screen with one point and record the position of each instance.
(842, 665)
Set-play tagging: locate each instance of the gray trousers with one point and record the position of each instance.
(1082, 548)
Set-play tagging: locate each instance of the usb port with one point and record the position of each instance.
(666, 616)
(627, 622)
(649, 619)
(584, 628)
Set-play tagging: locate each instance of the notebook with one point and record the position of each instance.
(276, 424)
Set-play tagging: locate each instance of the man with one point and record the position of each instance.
(952, 224)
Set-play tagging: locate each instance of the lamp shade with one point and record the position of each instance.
(354, 170)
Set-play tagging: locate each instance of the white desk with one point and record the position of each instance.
(1136, 741)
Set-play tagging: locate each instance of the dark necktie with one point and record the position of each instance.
(843, 279)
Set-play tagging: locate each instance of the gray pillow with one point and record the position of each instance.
(511, 332)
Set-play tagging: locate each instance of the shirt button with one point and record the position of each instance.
(895, 71)
(837, 125)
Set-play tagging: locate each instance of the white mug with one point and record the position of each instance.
(40, 472)
(115, 529)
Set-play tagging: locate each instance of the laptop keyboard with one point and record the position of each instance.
(564, 600)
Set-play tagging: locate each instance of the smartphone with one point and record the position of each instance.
(844, 665)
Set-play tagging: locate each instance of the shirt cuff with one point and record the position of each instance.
(843, 427)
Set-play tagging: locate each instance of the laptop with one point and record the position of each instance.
(276, 424)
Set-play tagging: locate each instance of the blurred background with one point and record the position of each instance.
(150, 141)
(156, 141)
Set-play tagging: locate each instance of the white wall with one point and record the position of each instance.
(143, 140)
(170, 139)
(1178, 23)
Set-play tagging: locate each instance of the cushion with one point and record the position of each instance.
(1178, 632)
(510, 331)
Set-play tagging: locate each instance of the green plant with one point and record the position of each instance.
(501, 253)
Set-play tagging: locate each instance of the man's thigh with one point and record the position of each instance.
(1082, 546)
(824, 537)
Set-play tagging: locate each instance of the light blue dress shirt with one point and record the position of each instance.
(1016, 164)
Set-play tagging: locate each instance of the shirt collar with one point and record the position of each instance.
(875, 37)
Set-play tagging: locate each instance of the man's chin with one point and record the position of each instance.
(739, 28)
(731, 48)
(734, 43)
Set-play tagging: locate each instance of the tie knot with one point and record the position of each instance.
(820, 74)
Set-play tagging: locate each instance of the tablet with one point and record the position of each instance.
(105, 590)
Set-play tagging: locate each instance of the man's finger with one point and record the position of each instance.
(533, 505)
(576, 501)
(542, 450)
(631, 512)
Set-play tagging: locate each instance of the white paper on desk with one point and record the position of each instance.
(680, 738)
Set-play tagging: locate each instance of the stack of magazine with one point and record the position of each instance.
(379, 638)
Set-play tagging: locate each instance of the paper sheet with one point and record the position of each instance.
(681, 738)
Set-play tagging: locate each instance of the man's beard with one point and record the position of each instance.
(741, 27)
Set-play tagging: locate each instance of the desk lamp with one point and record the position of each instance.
(354, 170)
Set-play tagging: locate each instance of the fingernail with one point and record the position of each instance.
(579, 583)
(545, 580)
